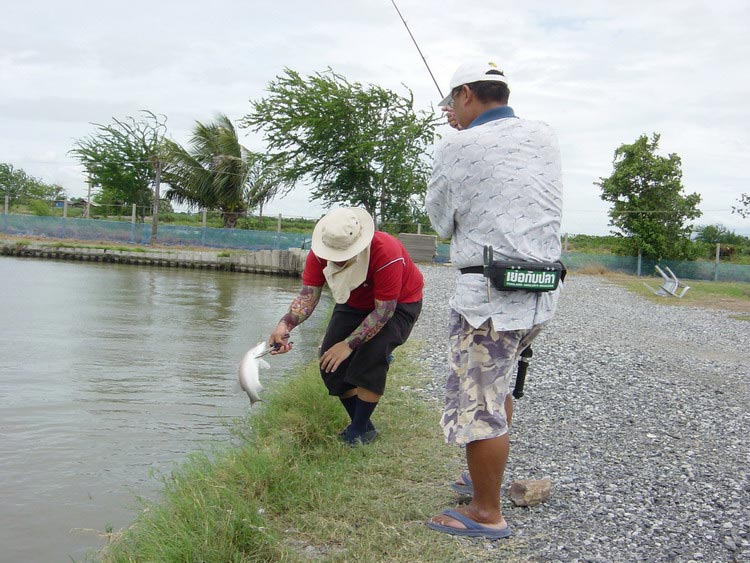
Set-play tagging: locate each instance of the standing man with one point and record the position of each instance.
(378, 294)
(497, 182)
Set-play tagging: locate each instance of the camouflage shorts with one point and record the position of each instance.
(482, 365)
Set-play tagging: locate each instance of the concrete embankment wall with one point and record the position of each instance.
(278, 262)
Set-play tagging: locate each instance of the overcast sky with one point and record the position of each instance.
(600, 72)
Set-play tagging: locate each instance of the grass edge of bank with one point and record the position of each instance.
(288, 490)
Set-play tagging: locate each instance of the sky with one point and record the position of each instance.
(601, 73)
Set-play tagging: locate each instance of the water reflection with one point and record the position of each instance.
(109, 372)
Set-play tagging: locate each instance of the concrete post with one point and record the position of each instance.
(87, 211)
(5, 215)
(419, 228)
(65, 208)
(638, 270)
(278, 225)
(132, 225)
(716, 264)
(157, 196)
(203, 226)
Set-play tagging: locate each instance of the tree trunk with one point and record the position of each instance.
(230, 219)
(383, 202)
(373, 213)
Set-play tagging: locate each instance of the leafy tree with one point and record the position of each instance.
(123, 158)
(42, 190)
(714, 234)
(357, 145)
(217, 172)
(648, 205)
(20, 187)
(744, 206)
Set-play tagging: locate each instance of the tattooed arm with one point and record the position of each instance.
(370, 326)
(301, 308)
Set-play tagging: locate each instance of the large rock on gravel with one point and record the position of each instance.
(530, 492)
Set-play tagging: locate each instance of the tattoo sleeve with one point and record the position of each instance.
(302, 306)
(372, 323)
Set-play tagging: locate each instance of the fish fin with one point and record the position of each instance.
(263, 363)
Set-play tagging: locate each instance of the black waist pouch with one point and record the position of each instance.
(522, 276)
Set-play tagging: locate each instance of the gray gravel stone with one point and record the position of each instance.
(637, 412)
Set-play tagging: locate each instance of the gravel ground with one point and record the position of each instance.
(637, 412)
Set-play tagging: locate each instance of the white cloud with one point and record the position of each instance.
(602, 73)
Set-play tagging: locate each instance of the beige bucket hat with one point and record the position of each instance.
(344, 235)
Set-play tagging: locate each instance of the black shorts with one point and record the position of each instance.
(367, 366)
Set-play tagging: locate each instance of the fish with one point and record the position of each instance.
(249, 371)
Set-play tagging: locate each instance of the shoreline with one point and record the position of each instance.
(275, 262)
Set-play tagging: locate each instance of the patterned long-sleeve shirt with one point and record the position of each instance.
(499, 183)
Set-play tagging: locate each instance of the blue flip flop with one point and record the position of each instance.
(473, 529)
(467, 488)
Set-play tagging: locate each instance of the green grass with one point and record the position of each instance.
(734, 296)
(589, 244)
(98, 246)
(291, 491)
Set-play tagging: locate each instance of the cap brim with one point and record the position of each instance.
(448, 100)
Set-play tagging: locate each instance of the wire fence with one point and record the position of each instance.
(211, 237)
(140, 233)
(201, 217)
(690, 270)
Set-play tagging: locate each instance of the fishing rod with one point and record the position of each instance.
(418, 49)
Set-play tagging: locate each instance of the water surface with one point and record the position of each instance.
(109, 373)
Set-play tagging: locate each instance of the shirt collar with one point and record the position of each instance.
(501, 112)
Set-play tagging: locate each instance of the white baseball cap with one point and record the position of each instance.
(474, 71)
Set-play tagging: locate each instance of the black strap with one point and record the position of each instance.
(472, 270)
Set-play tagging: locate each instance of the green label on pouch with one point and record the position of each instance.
(530, 279)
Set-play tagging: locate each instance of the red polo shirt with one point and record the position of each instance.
(391, 274)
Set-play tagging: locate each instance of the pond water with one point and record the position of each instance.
(111, 374)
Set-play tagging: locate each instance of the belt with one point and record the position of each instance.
(472, 270)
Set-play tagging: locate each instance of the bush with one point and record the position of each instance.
(589, 244)
(40, 208)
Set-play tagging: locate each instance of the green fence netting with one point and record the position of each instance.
(695, 270)
(722, 271)
(140, 233)
(178, 235)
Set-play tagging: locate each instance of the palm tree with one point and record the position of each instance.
(214, 173)
(265, 181)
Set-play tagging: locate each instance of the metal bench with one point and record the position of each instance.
(671, 285)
